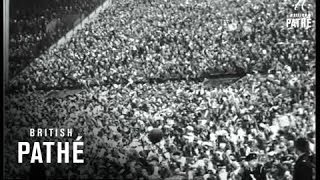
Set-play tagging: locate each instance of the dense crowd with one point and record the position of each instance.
(138, 42)
(262, 114)
(207, 131)
(28, 27)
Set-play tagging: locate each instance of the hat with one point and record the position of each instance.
(251, 156)
(176, 153)
(190, 128)
(220, 165)
(153, 158)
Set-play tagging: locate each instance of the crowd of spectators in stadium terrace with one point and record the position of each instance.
(28, 27)
(207, 131)
(198, 124)
(163, 41)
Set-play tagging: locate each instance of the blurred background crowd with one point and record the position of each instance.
(136, 69)
(37, 24)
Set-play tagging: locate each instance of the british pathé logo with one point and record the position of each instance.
(63, 149)
(300, 18)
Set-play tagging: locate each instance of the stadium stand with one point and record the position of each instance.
(140, 65)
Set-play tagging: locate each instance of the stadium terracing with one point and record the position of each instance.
(140, 64)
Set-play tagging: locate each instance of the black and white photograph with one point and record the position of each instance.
(159, 89)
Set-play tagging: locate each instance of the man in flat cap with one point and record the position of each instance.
(304, 168)
(253, 169)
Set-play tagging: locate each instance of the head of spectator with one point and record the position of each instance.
(252, 160)
(302, 146)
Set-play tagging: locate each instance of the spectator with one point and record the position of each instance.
(143, 66)
(305, 165)
(253, 170)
